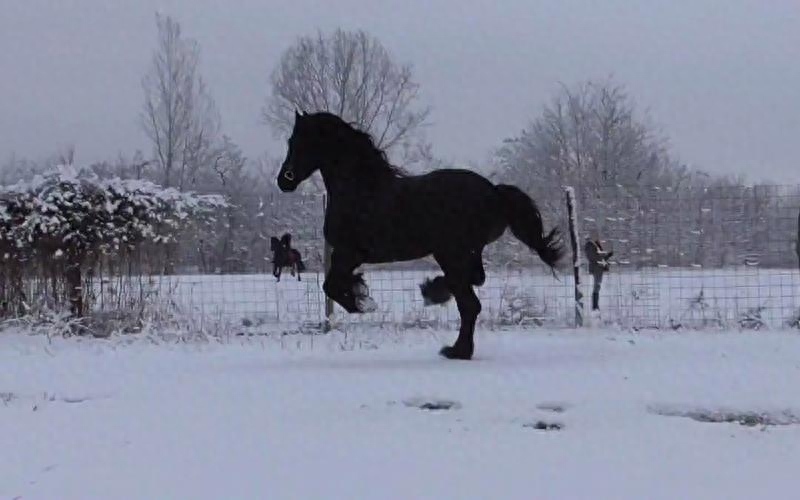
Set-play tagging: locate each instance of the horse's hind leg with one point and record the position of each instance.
(437, 291)
(458, 275)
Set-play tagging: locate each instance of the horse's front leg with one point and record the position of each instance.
(345, 288)
(276, 271)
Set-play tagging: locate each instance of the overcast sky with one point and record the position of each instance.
(722, 78)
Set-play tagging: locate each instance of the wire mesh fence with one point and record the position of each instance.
(712, 257)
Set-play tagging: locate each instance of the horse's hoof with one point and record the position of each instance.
(455, 352)
(366, 304)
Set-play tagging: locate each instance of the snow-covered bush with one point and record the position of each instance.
(61, 223)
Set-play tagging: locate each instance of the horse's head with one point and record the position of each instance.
(274, 244)
(322, 139)
(309, 146)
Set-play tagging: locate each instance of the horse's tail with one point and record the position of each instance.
(526, 225)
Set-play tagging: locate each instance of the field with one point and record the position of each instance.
(239, 398)
(747, 297)
(376, 414)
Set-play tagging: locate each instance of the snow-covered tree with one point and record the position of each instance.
(69, 218)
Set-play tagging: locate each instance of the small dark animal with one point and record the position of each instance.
(283, 255)
(376, 214)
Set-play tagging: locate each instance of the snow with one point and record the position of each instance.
(78, 207)
(338, 416)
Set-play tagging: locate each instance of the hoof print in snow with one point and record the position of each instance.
(745, 418)
(74, 400)
(432, 404)
(553, 407)
(541, 425)
(7, 397)
(44, 399)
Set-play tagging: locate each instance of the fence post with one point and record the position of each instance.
(572, 217)
(797, 242)
(326, 268)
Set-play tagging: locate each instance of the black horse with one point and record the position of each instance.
(283, 255)
(377, 214)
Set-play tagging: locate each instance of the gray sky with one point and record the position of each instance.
(722, 78)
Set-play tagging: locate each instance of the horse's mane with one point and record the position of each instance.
(376, 161)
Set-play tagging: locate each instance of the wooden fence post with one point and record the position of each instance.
(797, 243)
(572, 214)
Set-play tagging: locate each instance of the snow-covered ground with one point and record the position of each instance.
(334, 416)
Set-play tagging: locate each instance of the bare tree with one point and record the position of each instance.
(590, 135)
(229, 168)
(351, 74)
(67, 155)
(16, 169)
(179, 115)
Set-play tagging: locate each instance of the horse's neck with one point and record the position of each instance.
(350, 177)
(349, 191)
